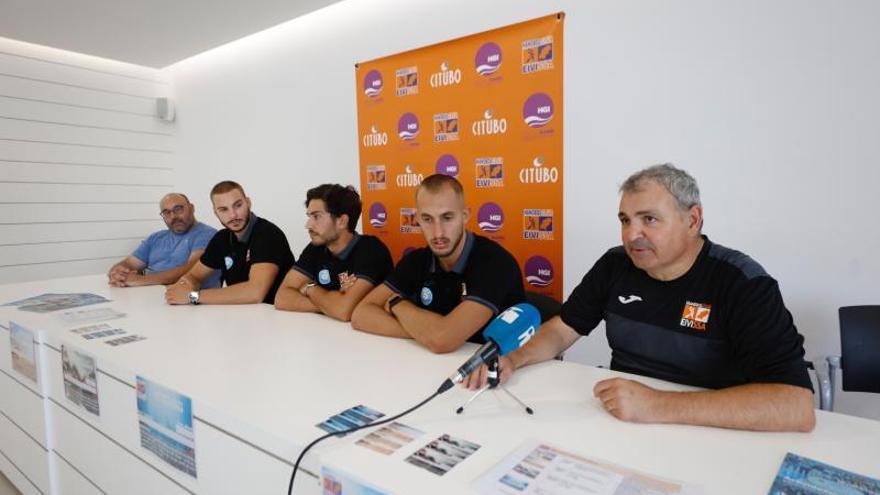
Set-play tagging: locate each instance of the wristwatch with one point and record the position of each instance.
(394, 300)
(194, 297)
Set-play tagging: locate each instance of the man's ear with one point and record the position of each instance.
(695, 218)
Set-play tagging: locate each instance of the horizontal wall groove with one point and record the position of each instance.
(74, 105)
(54, 183)
(77, 202)
(29, 480)
(82, 67)
(16, 380)
(78, 86)
(27, 433)
(42, 243)
(118, 256)
(78, 471)
(85, 126)
(78, 164)
(85, 145)
(80, 221)
(121, 446)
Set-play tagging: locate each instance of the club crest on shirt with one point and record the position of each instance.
(346, 279)
(427, 296)
(324, 276)
(695, 315)
(228, 261)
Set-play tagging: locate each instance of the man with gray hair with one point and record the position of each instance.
(680, 308)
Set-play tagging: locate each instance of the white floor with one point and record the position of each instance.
(6, 487)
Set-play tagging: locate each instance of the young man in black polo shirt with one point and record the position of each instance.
(251, 253)
(339, 267)
(681, 308)
(444, 294)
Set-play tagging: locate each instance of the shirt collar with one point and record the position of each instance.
(249, 230)
(461, 264)
(349, 247)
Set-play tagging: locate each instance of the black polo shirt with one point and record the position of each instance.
(485, 273)
(722, 323)
(262, 242)
(365, 257)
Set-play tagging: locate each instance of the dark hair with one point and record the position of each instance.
(225, 187)
(434, 183)
(338, 201)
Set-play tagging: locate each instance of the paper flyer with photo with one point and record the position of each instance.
(350, 418)
(387, 439)
(166, 425)
(124, 340)
(538, 468)
(90, 315)
(98, 331)
(48, 303)
(803, 476)
(80, 379)
(24, 352)
(442, 454)
(335, 482)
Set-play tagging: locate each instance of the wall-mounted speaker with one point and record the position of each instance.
(165, 109)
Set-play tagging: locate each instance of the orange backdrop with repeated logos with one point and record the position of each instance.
(486, 108)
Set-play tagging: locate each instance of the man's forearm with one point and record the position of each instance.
(332, 303)
(372, 318)
(547, 343)
(243, 293)
(424, 326)
(290, 299)
(159, 278)
(755, 406)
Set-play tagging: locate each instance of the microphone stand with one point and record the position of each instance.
(494, 383)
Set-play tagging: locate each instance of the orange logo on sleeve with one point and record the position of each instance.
(695, 315)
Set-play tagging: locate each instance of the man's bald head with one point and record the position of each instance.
(177, 212)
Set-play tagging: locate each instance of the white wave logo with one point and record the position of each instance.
(539, 281)
(539, 120)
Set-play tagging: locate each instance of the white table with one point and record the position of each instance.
(261, 379)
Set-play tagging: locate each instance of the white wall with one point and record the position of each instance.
(771, 105)
(83, 161)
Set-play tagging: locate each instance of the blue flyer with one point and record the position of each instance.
(802, 476)
(166, 425)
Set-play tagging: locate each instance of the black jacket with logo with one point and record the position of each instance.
(723, 323)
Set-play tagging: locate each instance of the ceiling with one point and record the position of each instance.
(152, 33)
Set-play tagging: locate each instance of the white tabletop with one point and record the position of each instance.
(269, 376)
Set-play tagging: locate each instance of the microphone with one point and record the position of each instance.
(509, 331)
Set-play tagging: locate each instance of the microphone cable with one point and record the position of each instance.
(446, 385)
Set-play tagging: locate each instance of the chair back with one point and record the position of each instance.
(860, 348)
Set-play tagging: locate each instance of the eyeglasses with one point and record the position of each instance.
(176, 210)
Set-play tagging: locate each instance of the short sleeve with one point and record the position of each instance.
(270, 246)
(492, 281)
(373, 262)
(408, 275)
(202, 238)
(585, 307)
(143, 250)
(307, 264)
(763, 336)
(214, 252)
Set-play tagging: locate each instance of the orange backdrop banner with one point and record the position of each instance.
(486, 109)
